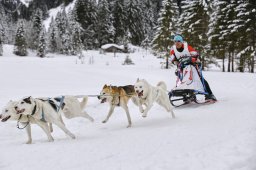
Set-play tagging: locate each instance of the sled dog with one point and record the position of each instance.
(118, 96)
(9, 113)
(70, 106)
(149, 94)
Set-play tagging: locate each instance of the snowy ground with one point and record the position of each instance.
(221, 136)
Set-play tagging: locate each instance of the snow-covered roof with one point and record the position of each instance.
(106, 46)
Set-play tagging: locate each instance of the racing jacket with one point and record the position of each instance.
(185, 51)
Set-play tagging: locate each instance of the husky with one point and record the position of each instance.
(149, 94)
(118, 96)
(69, 105)
(9, 113)
(49, 110)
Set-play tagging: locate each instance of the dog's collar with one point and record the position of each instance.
(34, 110)
(18, 126)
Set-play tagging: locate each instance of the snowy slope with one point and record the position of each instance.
(221, 136)
(25, 2)
(54, 11)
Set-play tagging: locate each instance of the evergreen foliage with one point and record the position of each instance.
(218, 29)
(166, 26)
(193, 24)
(20, 46)
(41, 51)
(105, 28)
(37, 22)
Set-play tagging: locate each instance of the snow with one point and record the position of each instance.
(106, 46)
(220, 136)
(54, 11)
(26, 2)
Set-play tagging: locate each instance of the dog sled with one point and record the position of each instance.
(190, 86)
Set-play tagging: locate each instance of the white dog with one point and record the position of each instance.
(70, 106)
(9, 113)
(73, 108)
(49, 110)
(149, 94)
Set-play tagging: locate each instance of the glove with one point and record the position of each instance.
(176, 72)
(185, 61)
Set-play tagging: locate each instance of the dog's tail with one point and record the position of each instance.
(162, 85)
(83, 102)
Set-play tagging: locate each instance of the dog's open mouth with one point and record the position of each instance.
(20, 111)
(6, 118)
(140, 94)
(103, 100)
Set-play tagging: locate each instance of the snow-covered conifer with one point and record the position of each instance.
(41, 50)
(20, 45)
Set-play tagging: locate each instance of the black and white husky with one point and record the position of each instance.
(9, 113)
(43, 111)
(149, 94)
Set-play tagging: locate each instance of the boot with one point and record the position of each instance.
(210, 97)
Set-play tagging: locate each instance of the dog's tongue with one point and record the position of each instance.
(5, 119)
(20, 111)
(140, 94)
(103, 100)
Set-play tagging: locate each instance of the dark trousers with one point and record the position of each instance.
(207, 87)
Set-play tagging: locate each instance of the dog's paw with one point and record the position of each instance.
(129, 126)
(141, 110)
(104, 121)
(144, 115)
(29, 142)
(50, 140)
(91, 119)
(73, 136)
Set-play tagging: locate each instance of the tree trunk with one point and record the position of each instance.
(229, 61)
(203, 63)
(167, 63)
(223, 63)
(241, 64)
(232, 62)
(252, 62)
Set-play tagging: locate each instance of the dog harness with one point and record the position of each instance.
(61, 101)
(34, 111)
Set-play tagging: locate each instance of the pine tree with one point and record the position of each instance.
(105, 29)
(193, 24)
(85, 13)
(1, 39)
(134, 22)
(64, 30)
(20, 46)
(166, 26)
(41, 51)
(77, 44)
(246, 27)
(36, 29)
(149, 19)
(119, 16)
(52, 45)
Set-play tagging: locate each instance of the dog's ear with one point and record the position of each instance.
(105, 86)
(27, 100)
(138, 80)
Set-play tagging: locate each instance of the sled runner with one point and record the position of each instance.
(190, 85)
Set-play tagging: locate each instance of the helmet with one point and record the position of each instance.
(178, 38)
